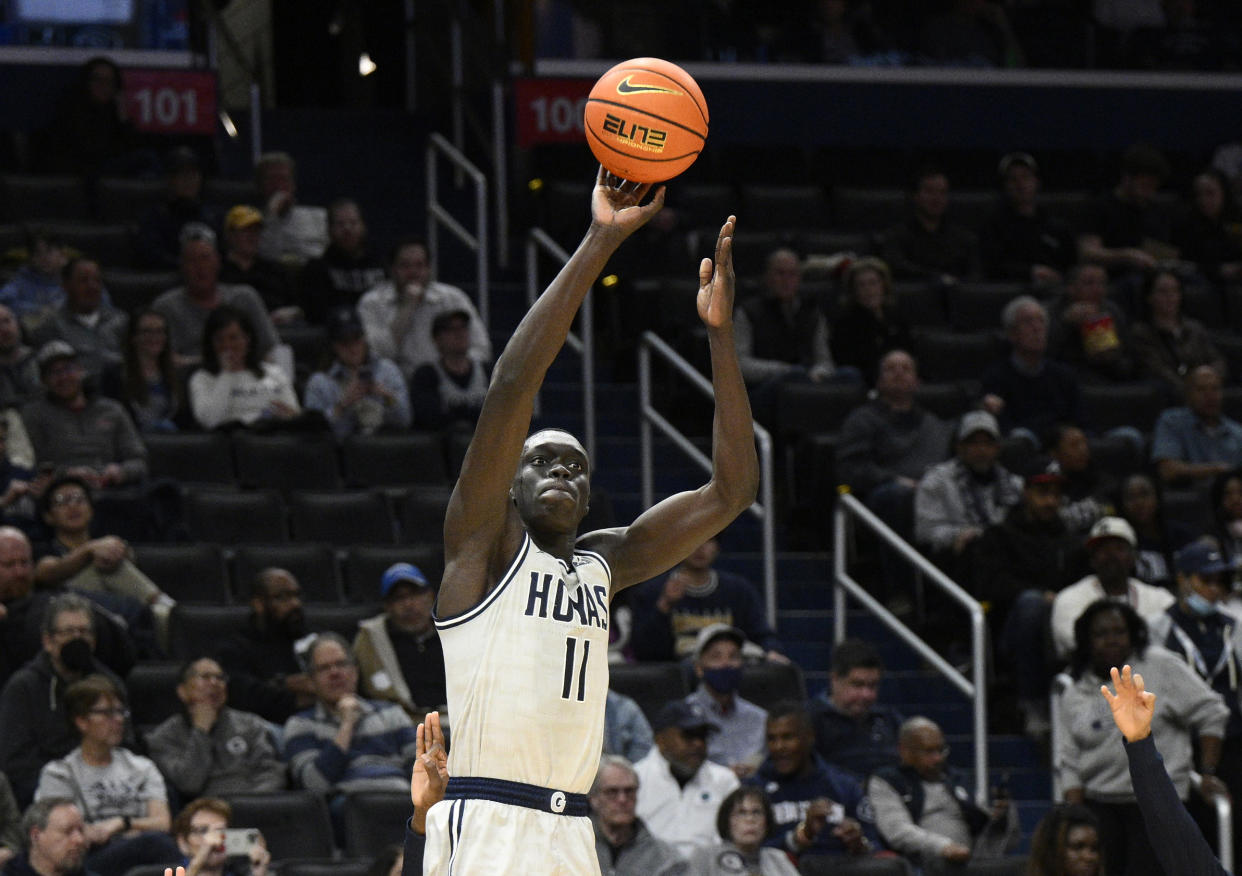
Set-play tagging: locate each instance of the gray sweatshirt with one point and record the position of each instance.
(1089, 752)
(236, 756)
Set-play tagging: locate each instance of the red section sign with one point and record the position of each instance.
(550, 110)
(171, 101)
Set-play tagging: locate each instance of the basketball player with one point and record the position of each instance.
(523, 606)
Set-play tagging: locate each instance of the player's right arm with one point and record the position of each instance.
(480, 531)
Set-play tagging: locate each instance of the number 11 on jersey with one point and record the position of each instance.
(571, 652)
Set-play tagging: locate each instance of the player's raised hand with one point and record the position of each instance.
(716, 280)
(617, 204)
(430, 776)
(1132, 706)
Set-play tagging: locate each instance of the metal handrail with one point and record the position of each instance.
(582, 343)
(764, 508)
(850, 509)
(1220, 802)
(436, 215)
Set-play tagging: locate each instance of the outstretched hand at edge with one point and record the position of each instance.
(430, 776)
(1132, 706)
(716, 280)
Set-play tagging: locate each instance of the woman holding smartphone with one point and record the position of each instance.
(201, 830)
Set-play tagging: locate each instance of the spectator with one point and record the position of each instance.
(10, 824)
(199, 832)
(32, 705)
(890, 442)
(18, 487)
(397, 314)
(738, 743)
(626, 729)
(870, 324)
(85, 564)
(956, 500)
(1086, 491)
(399, 654)
(359, 393)
(623, 843)
(1197, 442)
(1205, 234)
(1159, 536)
(744, 821)
(1199, 629)
(263, 660)
(210, 749)
(85, 321)
(160, 229)
(1110, 547)
(89, 135)
(449, 391)
(186, 307)
(1131, 230)
(123, 798)
(1225, 497)
(1168, 345)
(925, 811)
(1020, 241)
(670, 611)
(233, 387)
(819, 809)
(19, 372)
(55, 841)
(293, 233)
(92, 437)
(969, 33)
(1092, 767)
(1067, 840)
(346, 269)
(1089, 330)
(853, 731)
(244, 266)
(680, 790)
(34, 289)
(1026, 391)
(149, 384)
(928, 245)
(782, 335)
(1020, 565)
(344, 743)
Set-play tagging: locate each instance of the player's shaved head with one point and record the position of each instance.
(559, 436)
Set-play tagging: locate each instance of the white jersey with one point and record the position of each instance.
(527, 673)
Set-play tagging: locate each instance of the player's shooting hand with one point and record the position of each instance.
(715, 301)
(617, 204)
(430, 776)
(1132, 706)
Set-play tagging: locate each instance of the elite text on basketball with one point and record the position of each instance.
(641, 136)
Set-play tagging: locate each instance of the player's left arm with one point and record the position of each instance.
(669, 531)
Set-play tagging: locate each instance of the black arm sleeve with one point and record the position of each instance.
(414, 845)
(1173, 834)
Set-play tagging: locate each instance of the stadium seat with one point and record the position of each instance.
(128, 200)
(421, 513)
(373, 820)
(1072, 208)
(767, 683)
(341, 518)
(809, 408)
(705, 203)
(651, 685)
(866, 209)
(194, 630)
(146, 870)
(313, 565)
(922, 304)
(43, 198)
(294, 823)
(773, 207)
(366, 564)
(286, 462)
(833, 865)
(130, 289)
(12, 237)
(392, 460)
(152, 689)
(191, 573)
(946, 400)
(1015, 865)
(342, 619)
(1111, 405)
(1189, 507)
(946, 356)
(970, 207)
(1204, 303)
(816, 241)
(230, 192)
(326, 867)
(190, 458)
(976, 307)
(109, 245)
(255, 517)
(750, 253)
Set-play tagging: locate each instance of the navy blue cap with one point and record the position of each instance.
(401, 573)
(683, 714)
(1202, 558)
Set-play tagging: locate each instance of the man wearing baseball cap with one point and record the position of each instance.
(1110, 549)
(679, 789)
(398, 651)
(718, 666)
(244, 266)
(1020, 241)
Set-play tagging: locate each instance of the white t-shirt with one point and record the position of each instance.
(123, 787)
(238, 395)
(1146, 599)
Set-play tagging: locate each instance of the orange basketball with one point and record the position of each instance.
(646, 120)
